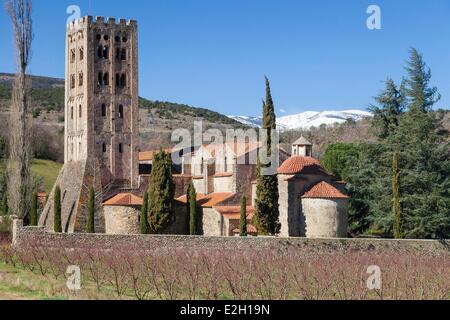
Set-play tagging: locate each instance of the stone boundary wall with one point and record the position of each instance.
(39, 236)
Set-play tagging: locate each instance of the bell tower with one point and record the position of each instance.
(101, 137)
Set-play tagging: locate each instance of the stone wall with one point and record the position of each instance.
(38, 235)
(325, 217)
(121, 220)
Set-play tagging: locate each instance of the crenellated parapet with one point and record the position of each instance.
(100, 22)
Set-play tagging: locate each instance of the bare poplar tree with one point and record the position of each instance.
(19, 165)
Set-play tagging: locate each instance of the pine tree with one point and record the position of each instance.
(243, 220)
(396, 207)
(57, 211)
(192, 196)
(161, 192)
(391, 106)
(144, 215)
(90, 225)
(266, 217)
(34, 210)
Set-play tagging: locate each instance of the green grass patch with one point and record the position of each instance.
(46, 169)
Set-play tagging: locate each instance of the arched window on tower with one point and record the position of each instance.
(123, 80)
(117, 80)
(104, 147)
(71, 113)
(80, 111)
(100, 78)
(120, 111)
(72, 81)
(72, 56)
(117, 53)
(103, 110)
(120, 148)
(81, 54)
(80, 79)
(106, 79)
(105, 52)
(123, 55)
(100, 52)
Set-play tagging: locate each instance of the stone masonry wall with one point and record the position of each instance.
(23, 235)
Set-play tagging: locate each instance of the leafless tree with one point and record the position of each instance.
(19, 165)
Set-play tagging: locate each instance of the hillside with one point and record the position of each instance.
(157, 119)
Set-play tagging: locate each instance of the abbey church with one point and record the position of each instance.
(101, 147)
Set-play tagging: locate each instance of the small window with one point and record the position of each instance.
(117, 38)
(123, 55)
(124, 39)
(106, 79)
(72, 81)
(100, 52)
(123, 80)
(100, 78)
(104, 147)
(80, 79)
(71, 113)
(118, 53)
(72, 56)
(120, 148)
(80, 111)
(103, 110)
(121, 112)
(117, 80)
(81, 54)
(99, 36)
(105, 52)
(106, 37)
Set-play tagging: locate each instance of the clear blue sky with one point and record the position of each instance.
(214, 53)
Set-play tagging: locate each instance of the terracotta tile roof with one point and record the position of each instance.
(209, 200)
(234, 212)
(324, 190)
(250, 229)
(223, 175)
(305, 165)
(149, 155)
(124, 199)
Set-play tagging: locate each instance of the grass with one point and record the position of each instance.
(46, 169)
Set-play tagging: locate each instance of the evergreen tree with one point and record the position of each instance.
(192, 198)
(57, 225)
(4, 196)
(396, 208)
(90, 225)
(161, 192)
(34, 210)
(144, 215)
(243, 220)
(390, 108)
(266, 217)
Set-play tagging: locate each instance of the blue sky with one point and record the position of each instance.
(318, 55)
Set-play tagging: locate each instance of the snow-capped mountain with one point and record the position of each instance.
(308, 119)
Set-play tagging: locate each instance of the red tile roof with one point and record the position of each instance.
(209, 200)
(324, 190)
(234, 212)
(250, 229)
(124, 199)
(304, 165)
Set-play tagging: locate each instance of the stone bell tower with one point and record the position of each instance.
(101, 137)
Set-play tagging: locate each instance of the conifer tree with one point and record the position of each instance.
(192, 203)
(396, 207)
(144, 227)
(57, 226)
(34, 210)
(161, 192)
(243, 220)
(90, 225)
(266, 217)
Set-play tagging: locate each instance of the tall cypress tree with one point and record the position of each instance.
(396, 207)
(266, 217)
(90, 225)
(4, 201)
(243, 219)
(34, 210)
(57, 226)
(144, 227)
(192, 203)
(161, 192)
